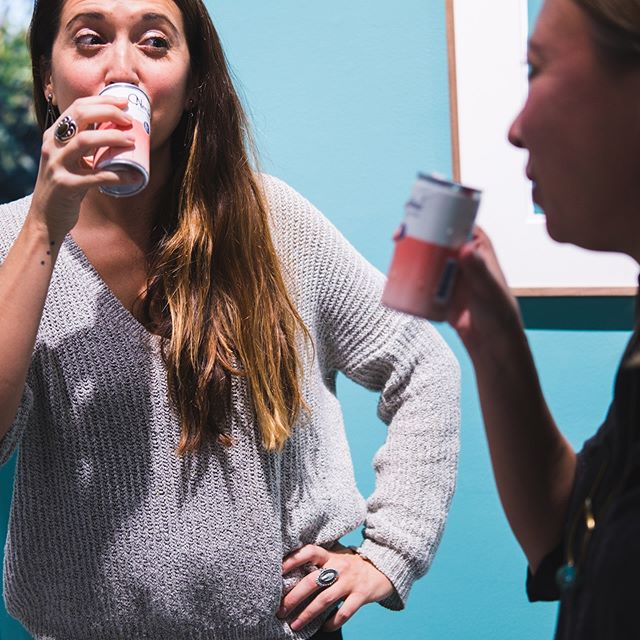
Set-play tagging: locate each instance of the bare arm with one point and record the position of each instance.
(533, 464)
(24, 281)
(63, 181)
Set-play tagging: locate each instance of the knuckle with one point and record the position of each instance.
(305, 616)
(327, 598)
(57, 176)
(341, 616)
(61, 178)
(303, 553)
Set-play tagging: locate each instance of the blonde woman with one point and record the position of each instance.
(169, 366)
(577, 517)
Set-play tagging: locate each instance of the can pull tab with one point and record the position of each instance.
(400, 233)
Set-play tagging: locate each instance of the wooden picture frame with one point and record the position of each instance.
(488, 85)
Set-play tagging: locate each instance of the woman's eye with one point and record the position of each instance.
(156, 42)
(88, 39)
(531, 71)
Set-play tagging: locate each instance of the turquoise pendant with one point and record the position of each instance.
(566, 577)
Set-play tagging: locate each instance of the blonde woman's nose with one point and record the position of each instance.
(515, 132)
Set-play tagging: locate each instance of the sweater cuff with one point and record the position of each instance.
(396, 567)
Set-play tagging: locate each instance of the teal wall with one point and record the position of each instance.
(349, 100)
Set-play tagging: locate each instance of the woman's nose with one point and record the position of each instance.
(122, 65)
(515, 132)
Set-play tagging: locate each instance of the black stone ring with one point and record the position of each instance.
(65, 130)
(327, 577)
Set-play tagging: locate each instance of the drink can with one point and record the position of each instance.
(439, 218)
(133, 163)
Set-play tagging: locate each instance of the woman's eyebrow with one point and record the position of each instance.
(155, 17)
(147, 17)
(87, 15)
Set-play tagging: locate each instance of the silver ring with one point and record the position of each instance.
(65, 129)
(327, 577)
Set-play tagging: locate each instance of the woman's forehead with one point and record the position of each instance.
(130, 8)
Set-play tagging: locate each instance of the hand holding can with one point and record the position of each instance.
(133, 163)
(439, 218)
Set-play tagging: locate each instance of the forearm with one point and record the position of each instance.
(416, 467)
(25, 275)
(533, 464)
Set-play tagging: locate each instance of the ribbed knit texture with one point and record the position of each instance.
(114, 536)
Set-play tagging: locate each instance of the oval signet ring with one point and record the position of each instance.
(327, 577)
(65, 129)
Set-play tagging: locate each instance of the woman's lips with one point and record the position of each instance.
(534, 185)
(535, 192)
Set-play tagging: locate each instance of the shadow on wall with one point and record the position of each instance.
(20, 138)
(588, 313)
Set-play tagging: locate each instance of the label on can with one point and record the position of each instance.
(440, 212)
(438, 220)
(445, 287)
(132, 162)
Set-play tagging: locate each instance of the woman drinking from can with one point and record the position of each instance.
(576, 516)
(170, 359)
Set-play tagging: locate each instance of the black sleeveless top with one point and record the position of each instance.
(604, 601)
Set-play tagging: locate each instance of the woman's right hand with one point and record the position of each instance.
(65, 175)
(483, 308)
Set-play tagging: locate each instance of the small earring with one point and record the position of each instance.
(52, 116)
(189, 129)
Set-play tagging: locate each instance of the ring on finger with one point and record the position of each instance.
(327, 577)
(65, 129)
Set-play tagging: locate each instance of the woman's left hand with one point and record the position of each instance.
(358, 583)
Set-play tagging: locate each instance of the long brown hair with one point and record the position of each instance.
(215, 290)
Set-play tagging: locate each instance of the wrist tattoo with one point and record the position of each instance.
(51, 244)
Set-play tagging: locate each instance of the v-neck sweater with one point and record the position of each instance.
(113, 535)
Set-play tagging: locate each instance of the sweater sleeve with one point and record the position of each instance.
(11, 440)
(407, 361)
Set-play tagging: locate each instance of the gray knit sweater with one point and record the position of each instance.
(114, 536)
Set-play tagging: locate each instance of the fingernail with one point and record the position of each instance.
(282, 612)
(296, 625)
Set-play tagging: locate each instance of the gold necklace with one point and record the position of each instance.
(568, 574)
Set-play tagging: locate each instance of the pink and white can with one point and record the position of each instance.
(439, 219)
(134, 163)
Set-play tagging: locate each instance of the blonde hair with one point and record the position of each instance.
(617, 29)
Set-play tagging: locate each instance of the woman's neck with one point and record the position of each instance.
(135, 216)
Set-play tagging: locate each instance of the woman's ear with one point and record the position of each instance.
(47, 80)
